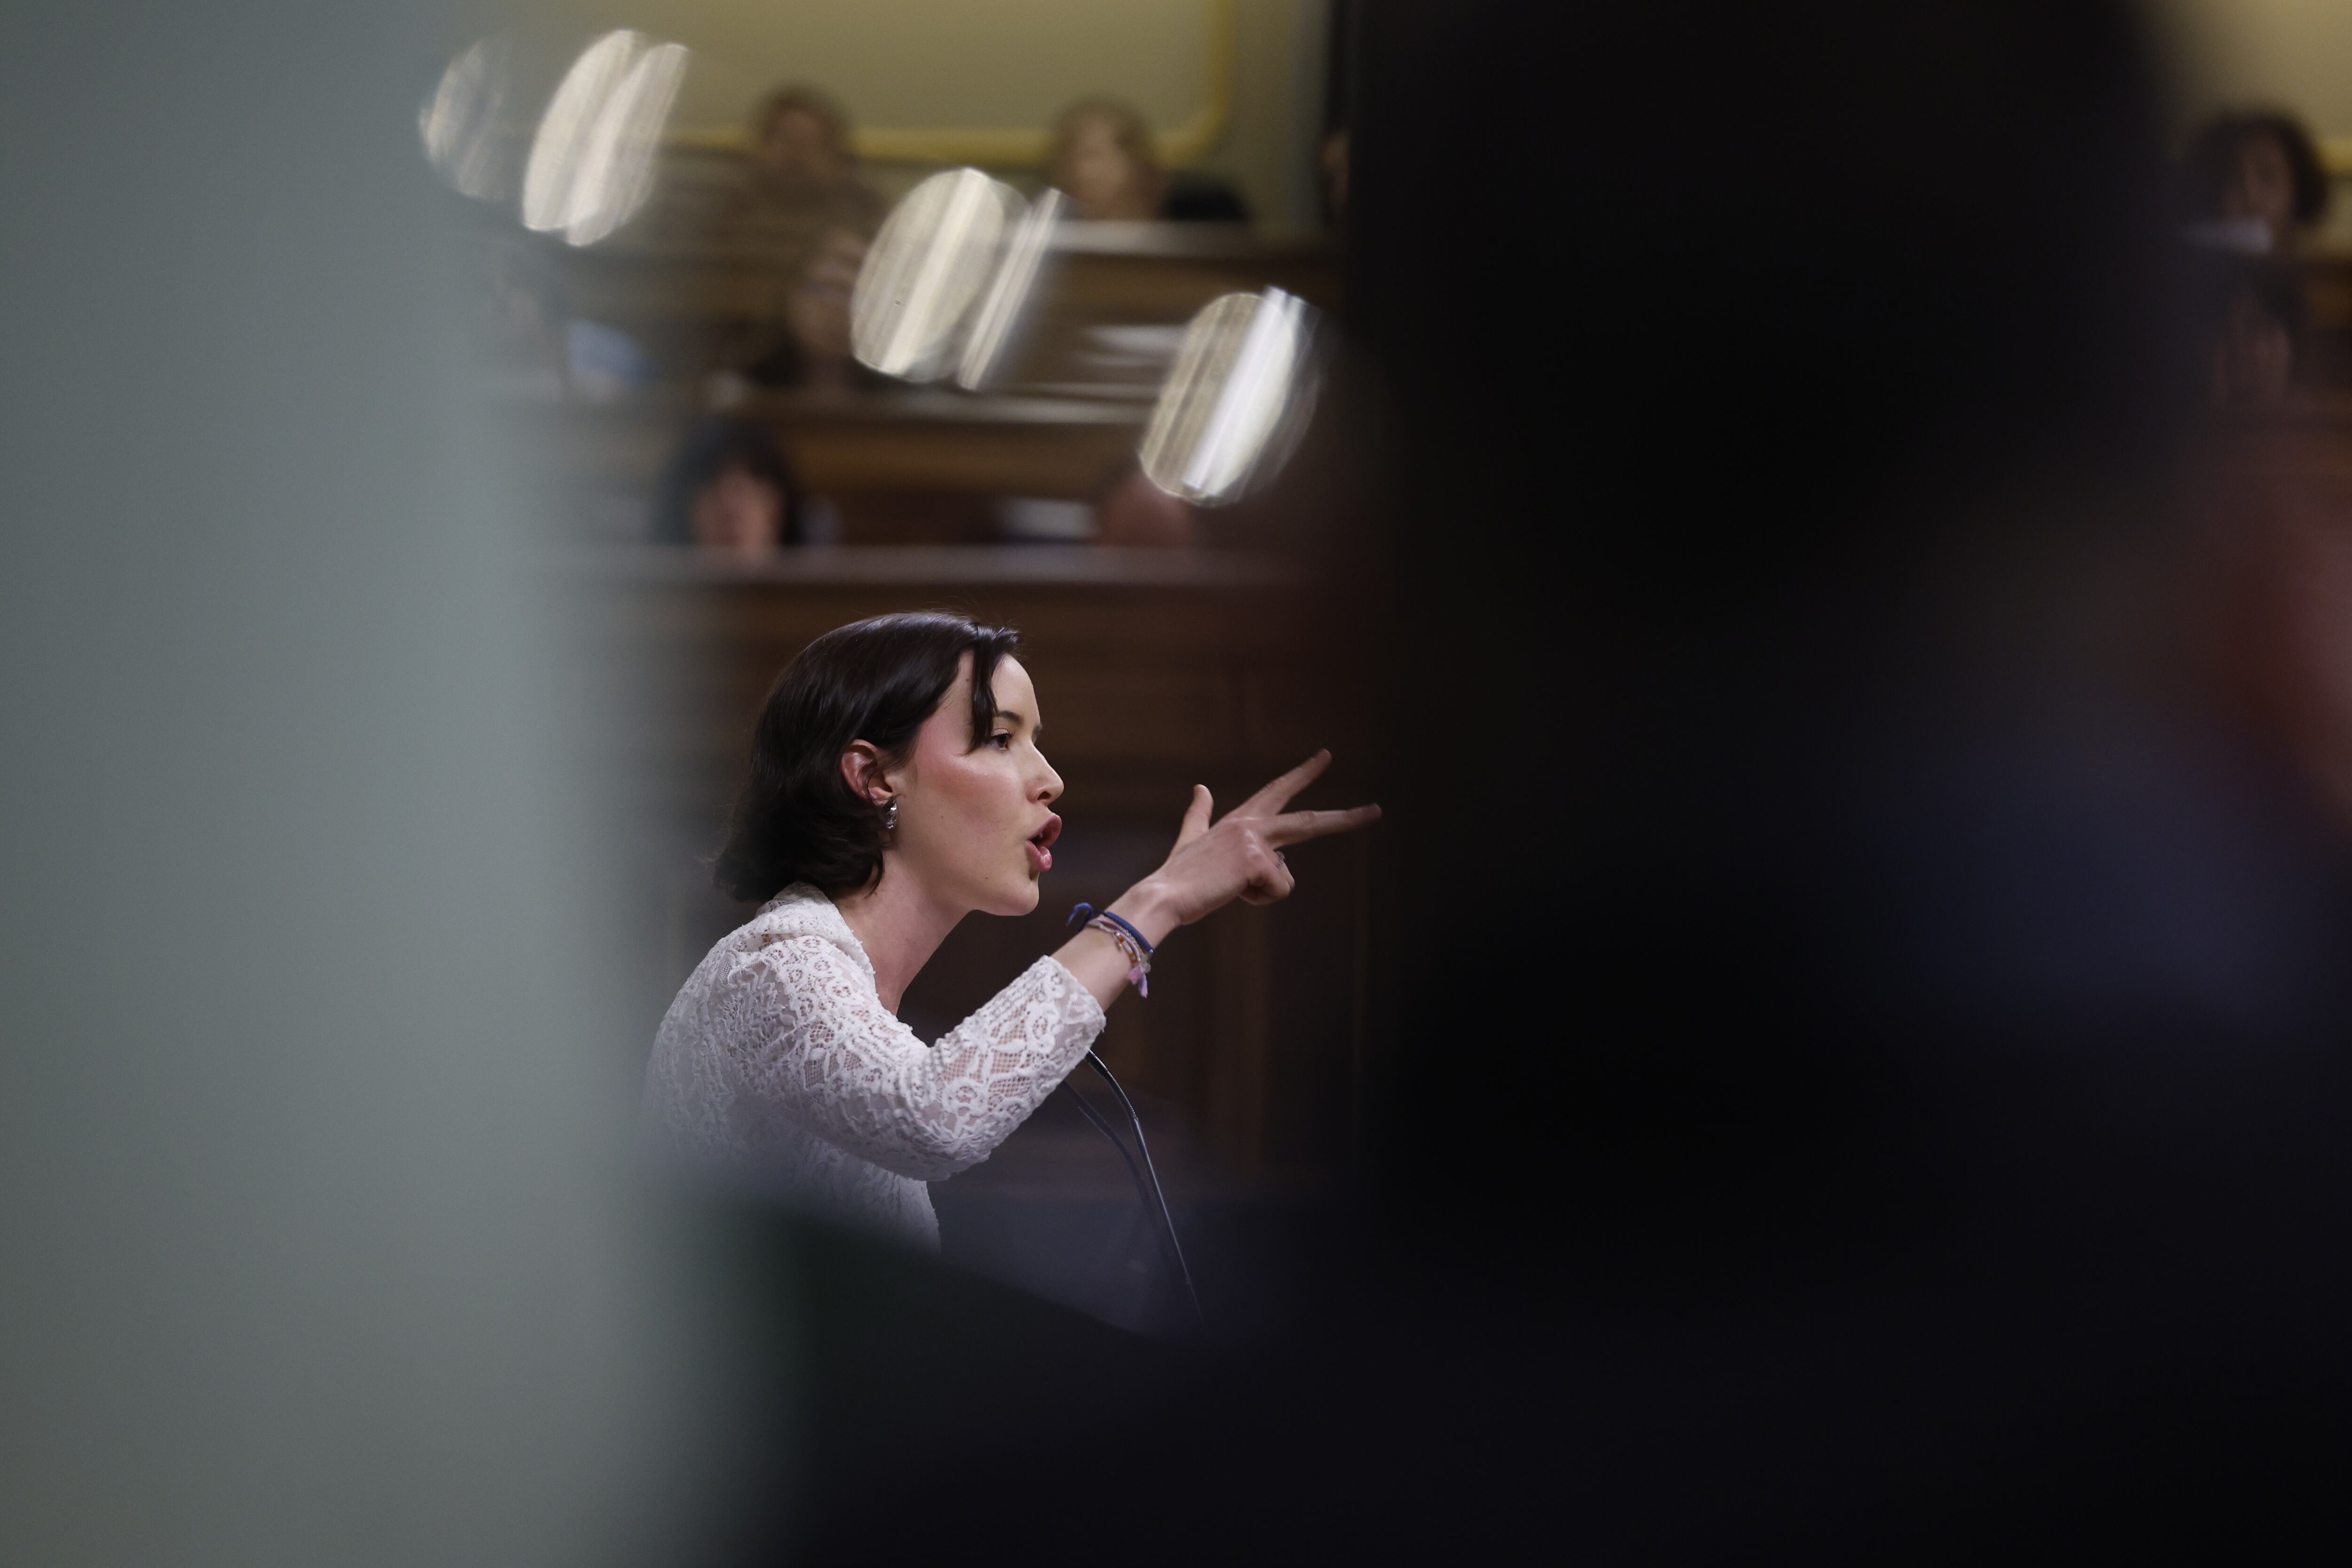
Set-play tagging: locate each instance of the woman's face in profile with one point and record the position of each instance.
(975, 824)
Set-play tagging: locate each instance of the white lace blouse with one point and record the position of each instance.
(779, 1063)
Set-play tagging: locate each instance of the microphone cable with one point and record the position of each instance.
(1159, 1198)
(1146, 1176)
(1086, 1109)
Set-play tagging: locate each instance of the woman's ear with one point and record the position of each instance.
(861, 765)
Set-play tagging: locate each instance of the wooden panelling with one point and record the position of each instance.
(914, 442)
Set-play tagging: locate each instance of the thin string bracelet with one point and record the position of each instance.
(1132, 945)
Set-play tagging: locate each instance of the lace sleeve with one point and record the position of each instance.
(835, 1058)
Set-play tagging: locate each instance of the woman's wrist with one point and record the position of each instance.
(1149, 908)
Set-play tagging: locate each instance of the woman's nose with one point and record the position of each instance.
(1049, 787)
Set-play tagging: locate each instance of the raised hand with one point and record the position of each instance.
(1240, 854)
(1214, 862)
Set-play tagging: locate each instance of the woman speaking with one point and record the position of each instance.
(896, 786)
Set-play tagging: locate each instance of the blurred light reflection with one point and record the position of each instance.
(460, 123)
(592, 161)
(1000, 312)
(926, 268)
(1243, 386)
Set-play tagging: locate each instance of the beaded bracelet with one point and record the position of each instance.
(1131, 943)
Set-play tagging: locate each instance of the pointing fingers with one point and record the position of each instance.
(1196, 816)
(1297, 826)
(1277, 794)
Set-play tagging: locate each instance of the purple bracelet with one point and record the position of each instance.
(1131, 943)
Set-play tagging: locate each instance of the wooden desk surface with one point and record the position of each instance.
(910, 441)
(926, 439)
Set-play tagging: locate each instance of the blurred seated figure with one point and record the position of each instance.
(2252, 319)
(2253, 182)
(808, 344)
(729, 492)
(799, 181)
(803, 210)
(1103, 161)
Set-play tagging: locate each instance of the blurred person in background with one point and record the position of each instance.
(2255, 179)
(1103, 160)
(804, 213)
(817, 314)
(728, 490)
(800, 179)
(2253, 310)
(808, 345)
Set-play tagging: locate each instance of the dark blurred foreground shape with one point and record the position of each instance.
(1863, 1004)
(317, 1239)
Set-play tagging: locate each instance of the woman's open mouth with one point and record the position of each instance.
(1041, 845)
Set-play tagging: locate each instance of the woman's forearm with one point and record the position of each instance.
(1096, 960)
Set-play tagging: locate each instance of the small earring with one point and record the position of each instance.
(890, 816)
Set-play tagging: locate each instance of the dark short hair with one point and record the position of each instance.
(2214, 149)
(797, 819)
(714, 444)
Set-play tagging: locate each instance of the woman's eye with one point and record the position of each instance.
(1001, 740)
